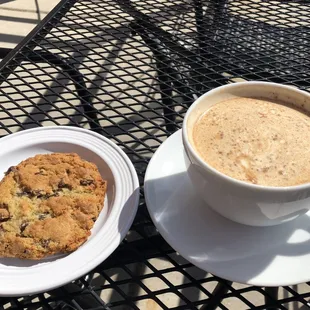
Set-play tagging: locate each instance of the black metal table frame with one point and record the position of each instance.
(157, 40)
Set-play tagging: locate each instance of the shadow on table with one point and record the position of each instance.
(134, 279)
(50, 99)
(5, 1)
(79, 51)
(13, 16)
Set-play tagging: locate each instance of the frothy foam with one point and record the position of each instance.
(256, 141)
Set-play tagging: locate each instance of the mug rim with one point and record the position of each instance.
(208, 168)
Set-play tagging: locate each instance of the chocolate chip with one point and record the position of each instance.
(23, 226)
(38, 193)
(4, 206)
(11, 169)
(43, 216)
(45, 243)
(62, 184)
(56, 194)
(86, 182)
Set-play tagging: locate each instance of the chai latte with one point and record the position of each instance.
(256, 141)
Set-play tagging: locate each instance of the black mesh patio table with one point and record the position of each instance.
(129, 70)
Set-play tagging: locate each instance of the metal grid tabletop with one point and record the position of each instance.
(129, 70)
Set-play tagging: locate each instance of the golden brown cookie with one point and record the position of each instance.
(48, 204)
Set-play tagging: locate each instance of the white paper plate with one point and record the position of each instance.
(21, 277)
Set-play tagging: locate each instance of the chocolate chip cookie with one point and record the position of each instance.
(48, 205)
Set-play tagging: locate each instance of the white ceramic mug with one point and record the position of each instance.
(240, 201)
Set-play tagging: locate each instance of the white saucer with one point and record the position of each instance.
(21, 277)
(261, 256)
